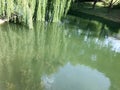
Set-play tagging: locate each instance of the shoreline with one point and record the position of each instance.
(98, 12)
(91, 15)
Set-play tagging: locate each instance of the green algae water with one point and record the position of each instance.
(60, 56)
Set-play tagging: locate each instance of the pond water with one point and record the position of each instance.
(75, 54)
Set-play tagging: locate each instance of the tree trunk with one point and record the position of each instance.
(110, 6)
(95, 1)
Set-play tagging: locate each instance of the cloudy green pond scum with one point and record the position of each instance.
(60, 56)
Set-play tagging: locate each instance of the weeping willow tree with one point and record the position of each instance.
(25, 11)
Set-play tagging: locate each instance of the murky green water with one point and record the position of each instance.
(60, 56)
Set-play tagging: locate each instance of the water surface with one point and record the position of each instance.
(60, 56)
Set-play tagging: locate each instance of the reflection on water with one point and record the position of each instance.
(26, 54)
(114, 43)
(77, 77)
(37, 59)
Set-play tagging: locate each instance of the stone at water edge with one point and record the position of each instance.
(3, 21)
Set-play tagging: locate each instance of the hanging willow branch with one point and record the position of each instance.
(25, 11)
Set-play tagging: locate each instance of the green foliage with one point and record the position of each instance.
(117, 6)
(28, 10)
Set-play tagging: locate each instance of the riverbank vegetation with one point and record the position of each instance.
(107, 9)
(27, 11)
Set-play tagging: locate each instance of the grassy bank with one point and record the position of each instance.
(99, 11)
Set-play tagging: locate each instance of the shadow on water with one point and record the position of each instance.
(100, 28)
(36, 59)
(113, 26)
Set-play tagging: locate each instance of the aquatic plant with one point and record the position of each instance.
(25, 11)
